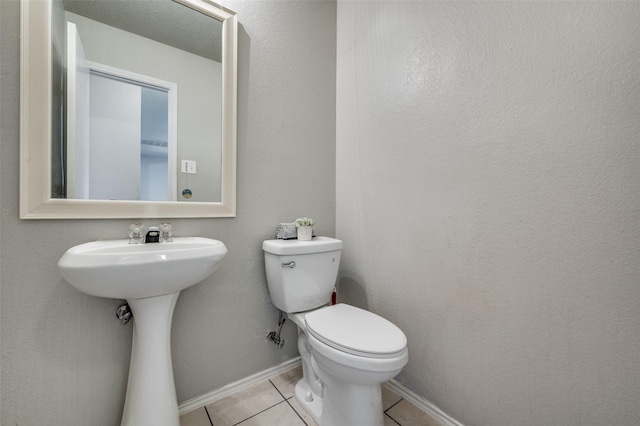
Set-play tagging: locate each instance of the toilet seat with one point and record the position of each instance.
(356, 331)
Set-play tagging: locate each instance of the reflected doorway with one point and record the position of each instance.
(121, 133)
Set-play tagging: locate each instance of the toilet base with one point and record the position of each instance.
(366, 408)
(314, 406)
(343, 404)
(346, 404)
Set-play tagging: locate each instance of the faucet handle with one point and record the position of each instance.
(166, 232)
(136, 233)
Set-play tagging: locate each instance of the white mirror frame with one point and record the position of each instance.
(36, 121)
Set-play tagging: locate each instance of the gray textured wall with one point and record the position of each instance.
(64, 355)
(488, 197)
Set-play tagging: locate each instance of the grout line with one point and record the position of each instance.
(294, 410)
(392, 419)
(288, 403)
(259, 412)
(208, 416)
(393, 405)
(277, 390)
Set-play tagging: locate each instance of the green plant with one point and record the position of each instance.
(305, 221)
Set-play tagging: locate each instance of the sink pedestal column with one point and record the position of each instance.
(151, 394)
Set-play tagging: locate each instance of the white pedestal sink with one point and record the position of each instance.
(150, 277)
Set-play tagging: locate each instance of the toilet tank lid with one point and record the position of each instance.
(289, 247)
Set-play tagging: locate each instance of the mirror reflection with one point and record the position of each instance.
(137, 101)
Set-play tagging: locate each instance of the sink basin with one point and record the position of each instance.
(117, 269)
(150, 276)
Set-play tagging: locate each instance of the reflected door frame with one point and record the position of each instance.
(172, 92)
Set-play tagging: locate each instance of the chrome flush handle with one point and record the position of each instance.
(291, 264)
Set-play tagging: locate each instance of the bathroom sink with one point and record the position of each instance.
(150, 276)
(117, 269)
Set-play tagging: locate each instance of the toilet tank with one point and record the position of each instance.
(308, 282)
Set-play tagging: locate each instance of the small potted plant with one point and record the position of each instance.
(304, 228)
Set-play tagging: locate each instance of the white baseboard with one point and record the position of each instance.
(193, 404)
(209, 397)
(436, 413)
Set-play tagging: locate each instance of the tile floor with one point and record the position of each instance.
(271, 403)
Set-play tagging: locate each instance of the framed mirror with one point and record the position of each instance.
(128, 109)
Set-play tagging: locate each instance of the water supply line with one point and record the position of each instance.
(274, 336)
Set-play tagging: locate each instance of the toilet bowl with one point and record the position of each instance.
(346, 352)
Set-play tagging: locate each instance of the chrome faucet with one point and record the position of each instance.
(153, 235)
(138, 233)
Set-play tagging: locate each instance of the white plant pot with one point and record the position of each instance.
(304, 233)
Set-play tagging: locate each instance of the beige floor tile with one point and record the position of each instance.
(244, 404)
(388, 421)
(301, 411)
(389, 397)
(281, 415)
(195, 418)
(286, 382)
(408, 414)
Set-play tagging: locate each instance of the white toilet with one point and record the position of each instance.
(346, 352)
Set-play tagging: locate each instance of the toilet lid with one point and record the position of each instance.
(356, 331)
